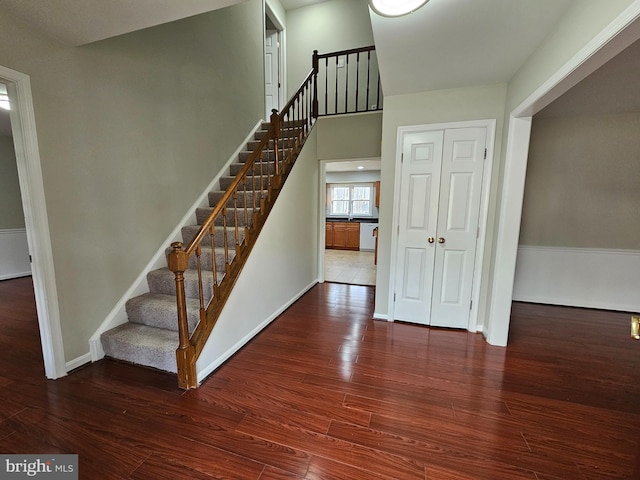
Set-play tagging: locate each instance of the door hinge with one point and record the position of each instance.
(470, 304)
(30, 259)
(402, 158)
(394, 297)
(485, 154)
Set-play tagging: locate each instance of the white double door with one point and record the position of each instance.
(440, 192)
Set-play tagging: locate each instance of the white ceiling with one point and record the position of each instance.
(77, 22)
(292, 4)
(445, 44)
(460, 43)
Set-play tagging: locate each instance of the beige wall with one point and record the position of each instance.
(130, 131)
(327, 27)
(11, 215)
(456, 105)
(582, 185)
(351, 136)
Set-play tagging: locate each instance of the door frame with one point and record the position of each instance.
(615, 37)
(322, 206)
(25, 141)
(490, 125)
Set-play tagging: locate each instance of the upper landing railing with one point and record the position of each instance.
(347, 82)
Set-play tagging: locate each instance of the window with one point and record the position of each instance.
(4, 97)
(350, 200)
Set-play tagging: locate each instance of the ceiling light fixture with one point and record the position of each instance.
(395, 8)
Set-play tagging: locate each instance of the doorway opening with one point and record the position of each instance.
(273, 62)
(36, 221)
(349, 219)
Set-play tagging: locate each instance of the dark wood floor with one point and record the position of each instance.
(327, 393)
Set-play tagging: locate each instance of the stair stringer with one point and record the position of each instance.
(284, 266)
(118, 314)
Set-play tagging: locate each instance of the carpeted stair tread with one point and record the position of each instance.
(160, 311)
(252, 183)
(203, 213)
(190, 231)
(205, 257)
(266, 166)
(267, 155)
(142, 345)
(216, 196)
(163, 281)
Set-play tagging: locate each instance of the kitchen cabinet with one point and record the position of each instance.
(342, 235)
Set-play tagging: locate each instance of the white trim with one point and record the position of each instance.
(581, 277)
(14, 254)
(490, 125)
(604, 46)
(322, 215)
(322, 207)
(78, 362)
(497, 329)
(209, 369)
(118, 314)
(25, 141)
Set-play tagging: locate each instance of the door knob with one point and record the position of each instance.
(431, 239)
(440, 239)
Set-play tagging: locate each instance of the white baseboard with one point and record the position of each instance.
(211, 367)
(118, 314)
(14, 254)
(580, 277)
(78, 362)
(380, 316)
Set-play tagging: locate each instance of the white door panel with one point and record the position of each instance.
(459, 209)
(422, 155)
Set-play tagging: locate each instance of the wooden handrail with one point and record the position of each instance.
(286, 135)
(258, 189)
(351, 51)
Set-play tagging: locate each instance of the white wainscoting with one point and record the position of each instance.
(14, 254)
(580, 277)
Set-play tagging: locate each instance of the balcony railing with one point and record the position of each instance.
(347, 81)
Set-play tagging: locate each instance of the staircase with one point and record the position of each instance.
(150, 337)
(168, 326)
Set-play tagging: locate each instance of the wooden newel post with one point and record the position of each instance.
(275, 121)
(178, 262)
(314, 104)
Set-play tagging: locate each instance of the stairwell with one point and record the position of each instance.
(150, 336)
(167, 328)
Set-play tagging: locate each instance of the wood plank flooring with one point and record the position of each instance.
(325, 392)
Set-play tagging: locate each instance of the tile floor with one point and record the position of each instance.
(346, 266)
